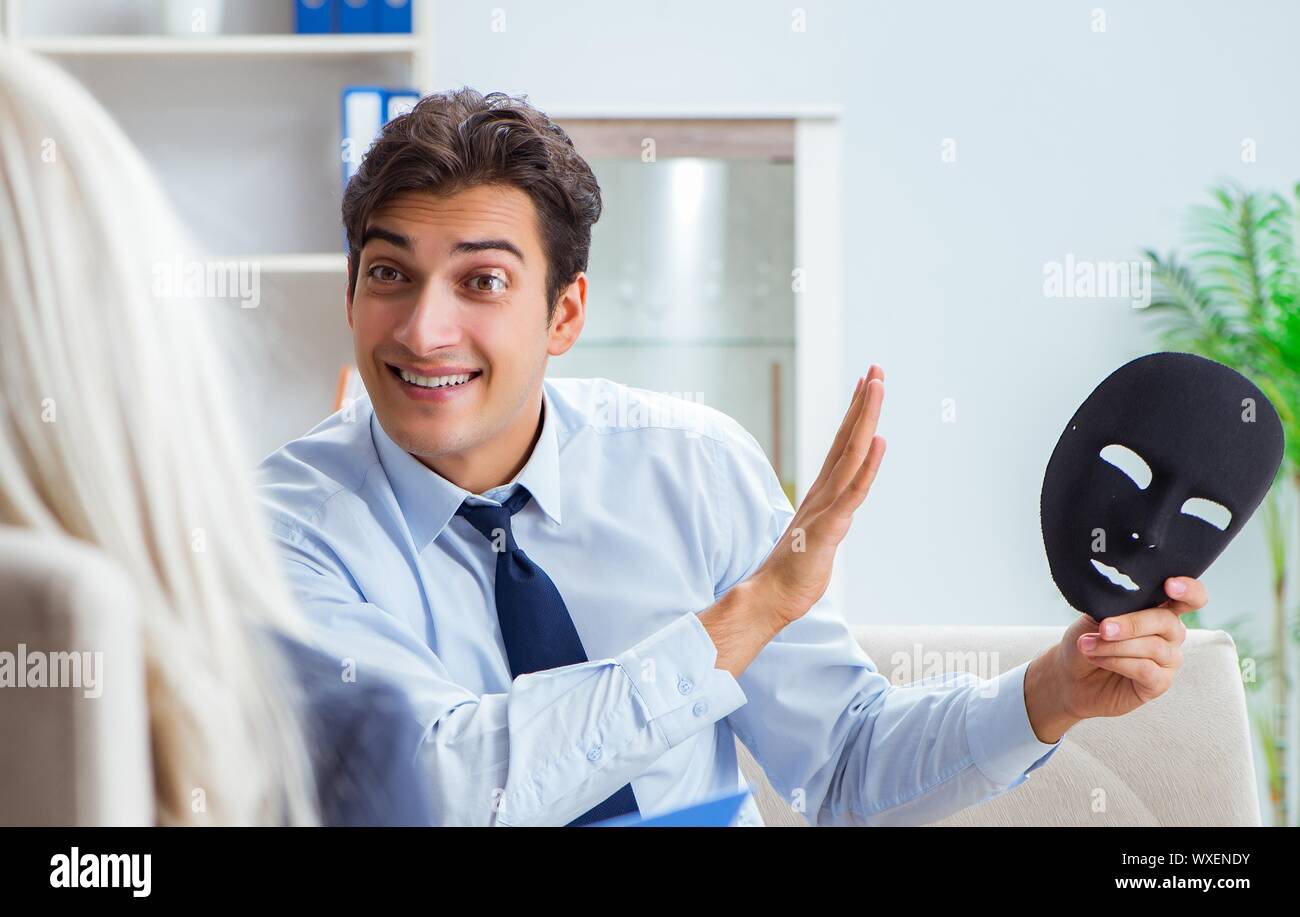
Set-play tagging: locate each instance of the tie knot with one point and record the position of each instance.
(488, 519)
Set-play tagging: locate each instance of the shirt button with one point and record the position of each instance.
(684, 686)
(594, 754)
(700, 709)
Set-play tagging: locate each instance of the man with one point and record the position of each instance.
(589, 591)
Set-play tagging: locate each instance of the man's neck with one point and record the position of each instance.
(497, 461)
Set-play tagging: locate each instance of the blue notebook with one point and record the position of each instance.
(315, 17)
(357, 15)
(324, 16)
(393, 16)
(365, 110)
(715, 813)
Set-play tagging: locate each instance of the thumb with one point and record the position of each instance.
(1078, 660)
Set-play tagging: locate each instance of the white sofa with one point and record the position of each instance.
(66, 758)
(1183, 759)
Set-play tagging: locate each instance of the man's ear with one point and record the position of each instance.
(570, 314)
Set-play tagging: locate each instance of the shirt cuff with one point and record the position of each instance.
(673, 672)
(1001, 738)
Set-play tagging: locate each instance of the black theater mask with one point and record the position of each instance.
(1154, 475)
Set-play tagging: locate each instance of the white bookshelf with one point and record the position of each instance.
(412, 52)
(224, 45)
(243, 128)
(311, 264)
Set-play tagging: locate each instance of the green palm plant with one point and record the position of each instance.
(1234, 297)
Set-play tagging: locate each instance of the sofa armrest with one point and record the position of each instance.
(1184, 759)
(76, 753)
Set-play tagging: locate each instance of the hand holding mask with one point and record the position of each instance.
(1153, 476)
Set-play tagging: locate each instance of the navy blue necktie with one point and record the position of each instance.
(535, 624)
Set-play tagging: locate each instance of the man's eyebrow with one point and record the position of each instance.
(468, 246)
(483, 245)
(386, 235)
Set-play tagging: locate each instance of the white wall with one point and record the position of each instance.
(1067, 141)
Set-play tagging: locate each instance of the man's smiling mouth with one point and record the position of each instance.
(1115, 577)
(435, 379)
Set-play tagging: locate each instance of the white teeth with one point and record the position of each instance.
(434, 381)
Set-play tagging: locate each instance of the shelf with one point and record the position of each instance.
(307, 263)
(222, 45)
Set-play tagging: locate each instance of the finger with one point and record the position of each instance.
(855, 451)
(1185, 594)
(842, 435)
(853, 413)
(1144, 672)
(841, 438)
(1148, 622)
(857, 491)
(861, 439)
(1163, 652)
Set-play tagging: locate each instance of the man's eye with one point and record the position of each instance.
(385, 274)
(487, 283)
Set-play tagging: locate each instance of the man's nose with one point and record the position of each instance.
(433, 322)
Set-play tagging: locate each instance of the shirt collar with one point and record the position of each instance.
(428, 500)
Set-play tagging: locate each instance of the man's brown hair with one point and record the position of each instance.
(461, 138)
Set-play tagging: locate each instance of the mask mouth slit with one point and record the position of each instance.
(1115, 577)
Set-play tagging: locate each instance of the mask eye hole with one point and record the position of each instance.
(1129, 462)
(1216, 514)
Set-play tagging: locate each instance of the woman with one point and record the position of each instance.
(113, 430)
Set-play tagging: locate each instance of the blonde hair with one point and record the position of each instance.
(114, 430)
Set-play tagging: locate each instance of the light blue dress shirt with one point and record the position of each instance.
(645, 510)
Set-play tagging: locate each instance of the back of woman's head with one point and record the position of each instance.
(114, 430)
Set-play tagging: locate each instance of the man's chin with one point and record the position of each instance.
(427, 439)
(420, 428)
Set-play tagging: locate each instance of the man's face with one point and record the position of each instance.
(449, 318)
